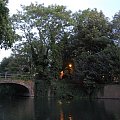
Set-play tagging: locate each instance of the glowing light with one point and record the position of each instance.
(70, 65)
(61, 74)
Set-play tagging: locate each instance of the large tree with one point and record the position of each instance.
(91, 50)
(6, 31)
(42, 28)
(92, 31)
(91, 34)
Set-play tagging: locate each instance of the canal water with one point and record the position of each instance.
(51, 109)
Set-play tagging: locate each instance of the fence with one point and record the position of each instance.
(6, 76)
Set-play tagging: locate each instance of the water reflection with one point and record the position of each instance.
(51, 109)
(63, 118)
(70, 117)
(16, 109)
(61, 115)
(77, 110)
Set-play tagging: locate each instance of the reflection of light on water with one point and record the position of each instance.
(61, 115)
(70, 117)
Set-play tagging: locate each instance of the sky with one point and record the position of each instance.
(109, 8)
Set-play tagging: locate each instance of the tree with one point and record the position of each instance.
(91, 34)
(92, 31)
(42, 29)
(10, 65)
(3, 65)
(116, 28)
(6, 31)
(91, 50)
(102, 67)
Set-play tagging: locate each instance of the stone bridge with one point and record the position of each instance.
(26, 87)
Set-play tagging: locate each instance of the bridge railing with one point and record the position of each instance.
(15, 77)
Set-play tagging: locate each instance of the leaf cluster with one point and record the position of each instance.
(6, 30)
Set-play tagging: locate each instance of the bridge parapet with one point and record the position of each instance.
(15, 77)
(23, 80)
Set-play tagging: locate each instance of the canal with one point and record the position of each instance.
(51, 109)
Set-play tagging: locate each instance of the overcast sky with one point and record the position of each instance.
(109, 8)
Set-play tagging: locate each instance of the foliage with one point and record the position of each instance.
(102, 67)
(116, 28)
(91, 50)
(50, 38)
(6, 31)
(92, 31)
(9, 65)
(42, 28)
(3, 65)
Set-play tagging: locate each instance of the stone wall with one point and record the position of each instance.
(110, 91)
(41, 88)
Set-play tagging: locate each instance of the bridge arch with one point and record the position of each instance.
(21, 87)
